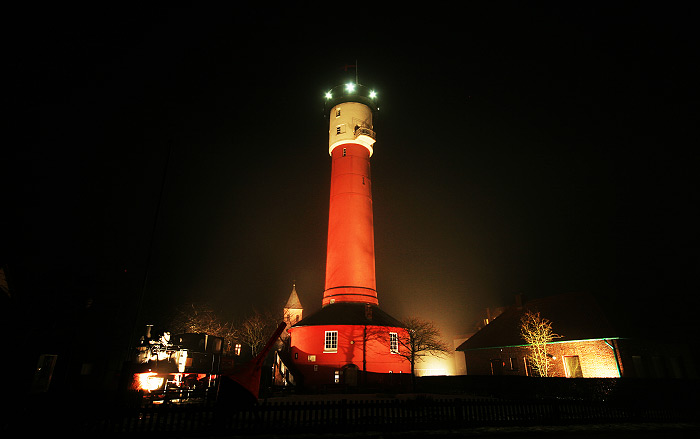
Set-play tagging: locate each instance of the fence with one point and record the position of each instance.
(390, 414)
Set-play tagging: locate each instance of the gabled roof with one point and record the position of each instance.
(345, 313)
(293, 302)
(575, 316)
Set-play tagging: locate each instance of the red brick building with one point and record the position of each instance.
(589, 346)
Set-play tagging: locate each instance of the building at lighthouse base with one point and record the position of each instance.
(347, 345)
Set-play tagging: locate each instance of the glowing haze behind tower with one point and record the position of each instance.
(350, 268)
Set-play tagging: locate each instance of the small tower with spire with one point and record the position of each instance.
(293, 310)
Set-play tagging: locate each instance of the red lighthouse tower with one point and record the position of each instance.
(350, 341)
(350, 258)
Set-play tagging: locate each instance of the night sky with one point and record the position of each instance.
(521, 148)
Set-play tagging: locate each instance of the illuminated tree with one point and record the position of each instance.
(422, 338)
(537, 332)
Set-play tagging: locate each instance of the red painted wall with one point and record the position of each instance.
(350, 269)
(310, 340)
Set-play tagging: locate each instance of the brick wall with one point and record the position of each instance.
(596, 358)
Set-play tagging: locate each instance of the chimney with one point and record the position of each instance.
(519, 300)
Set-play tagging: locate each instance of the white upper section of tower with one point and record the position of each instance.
(350, 122)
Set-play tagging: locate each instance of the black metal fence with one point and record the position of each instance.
(441, 402)
(393, 414)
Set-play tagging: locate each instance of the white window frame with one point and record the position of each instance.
(330, 343)
(394, 342)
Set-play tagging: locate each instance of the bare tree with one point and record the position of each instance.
(201, 318)
(537, 332)
(422, 338)
(255, 330)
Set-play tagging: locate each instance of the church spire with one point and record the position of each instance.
(293, 309)
(293, 302)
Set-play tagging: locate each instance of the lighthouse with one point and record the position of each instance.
(350, 340)
(350, 265)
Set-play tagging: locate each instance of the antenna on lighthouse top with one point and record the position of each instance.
(346, 66)
(350, 91)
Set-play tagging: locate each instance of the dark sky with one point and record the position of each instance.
(535, 149)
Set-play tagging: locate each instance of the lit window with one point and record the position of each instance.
(337, 376)
(394, 342)
(237, 349)
(331, 343)
(573, 367)
(312, 358)
(337, 112)
(345, 151)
